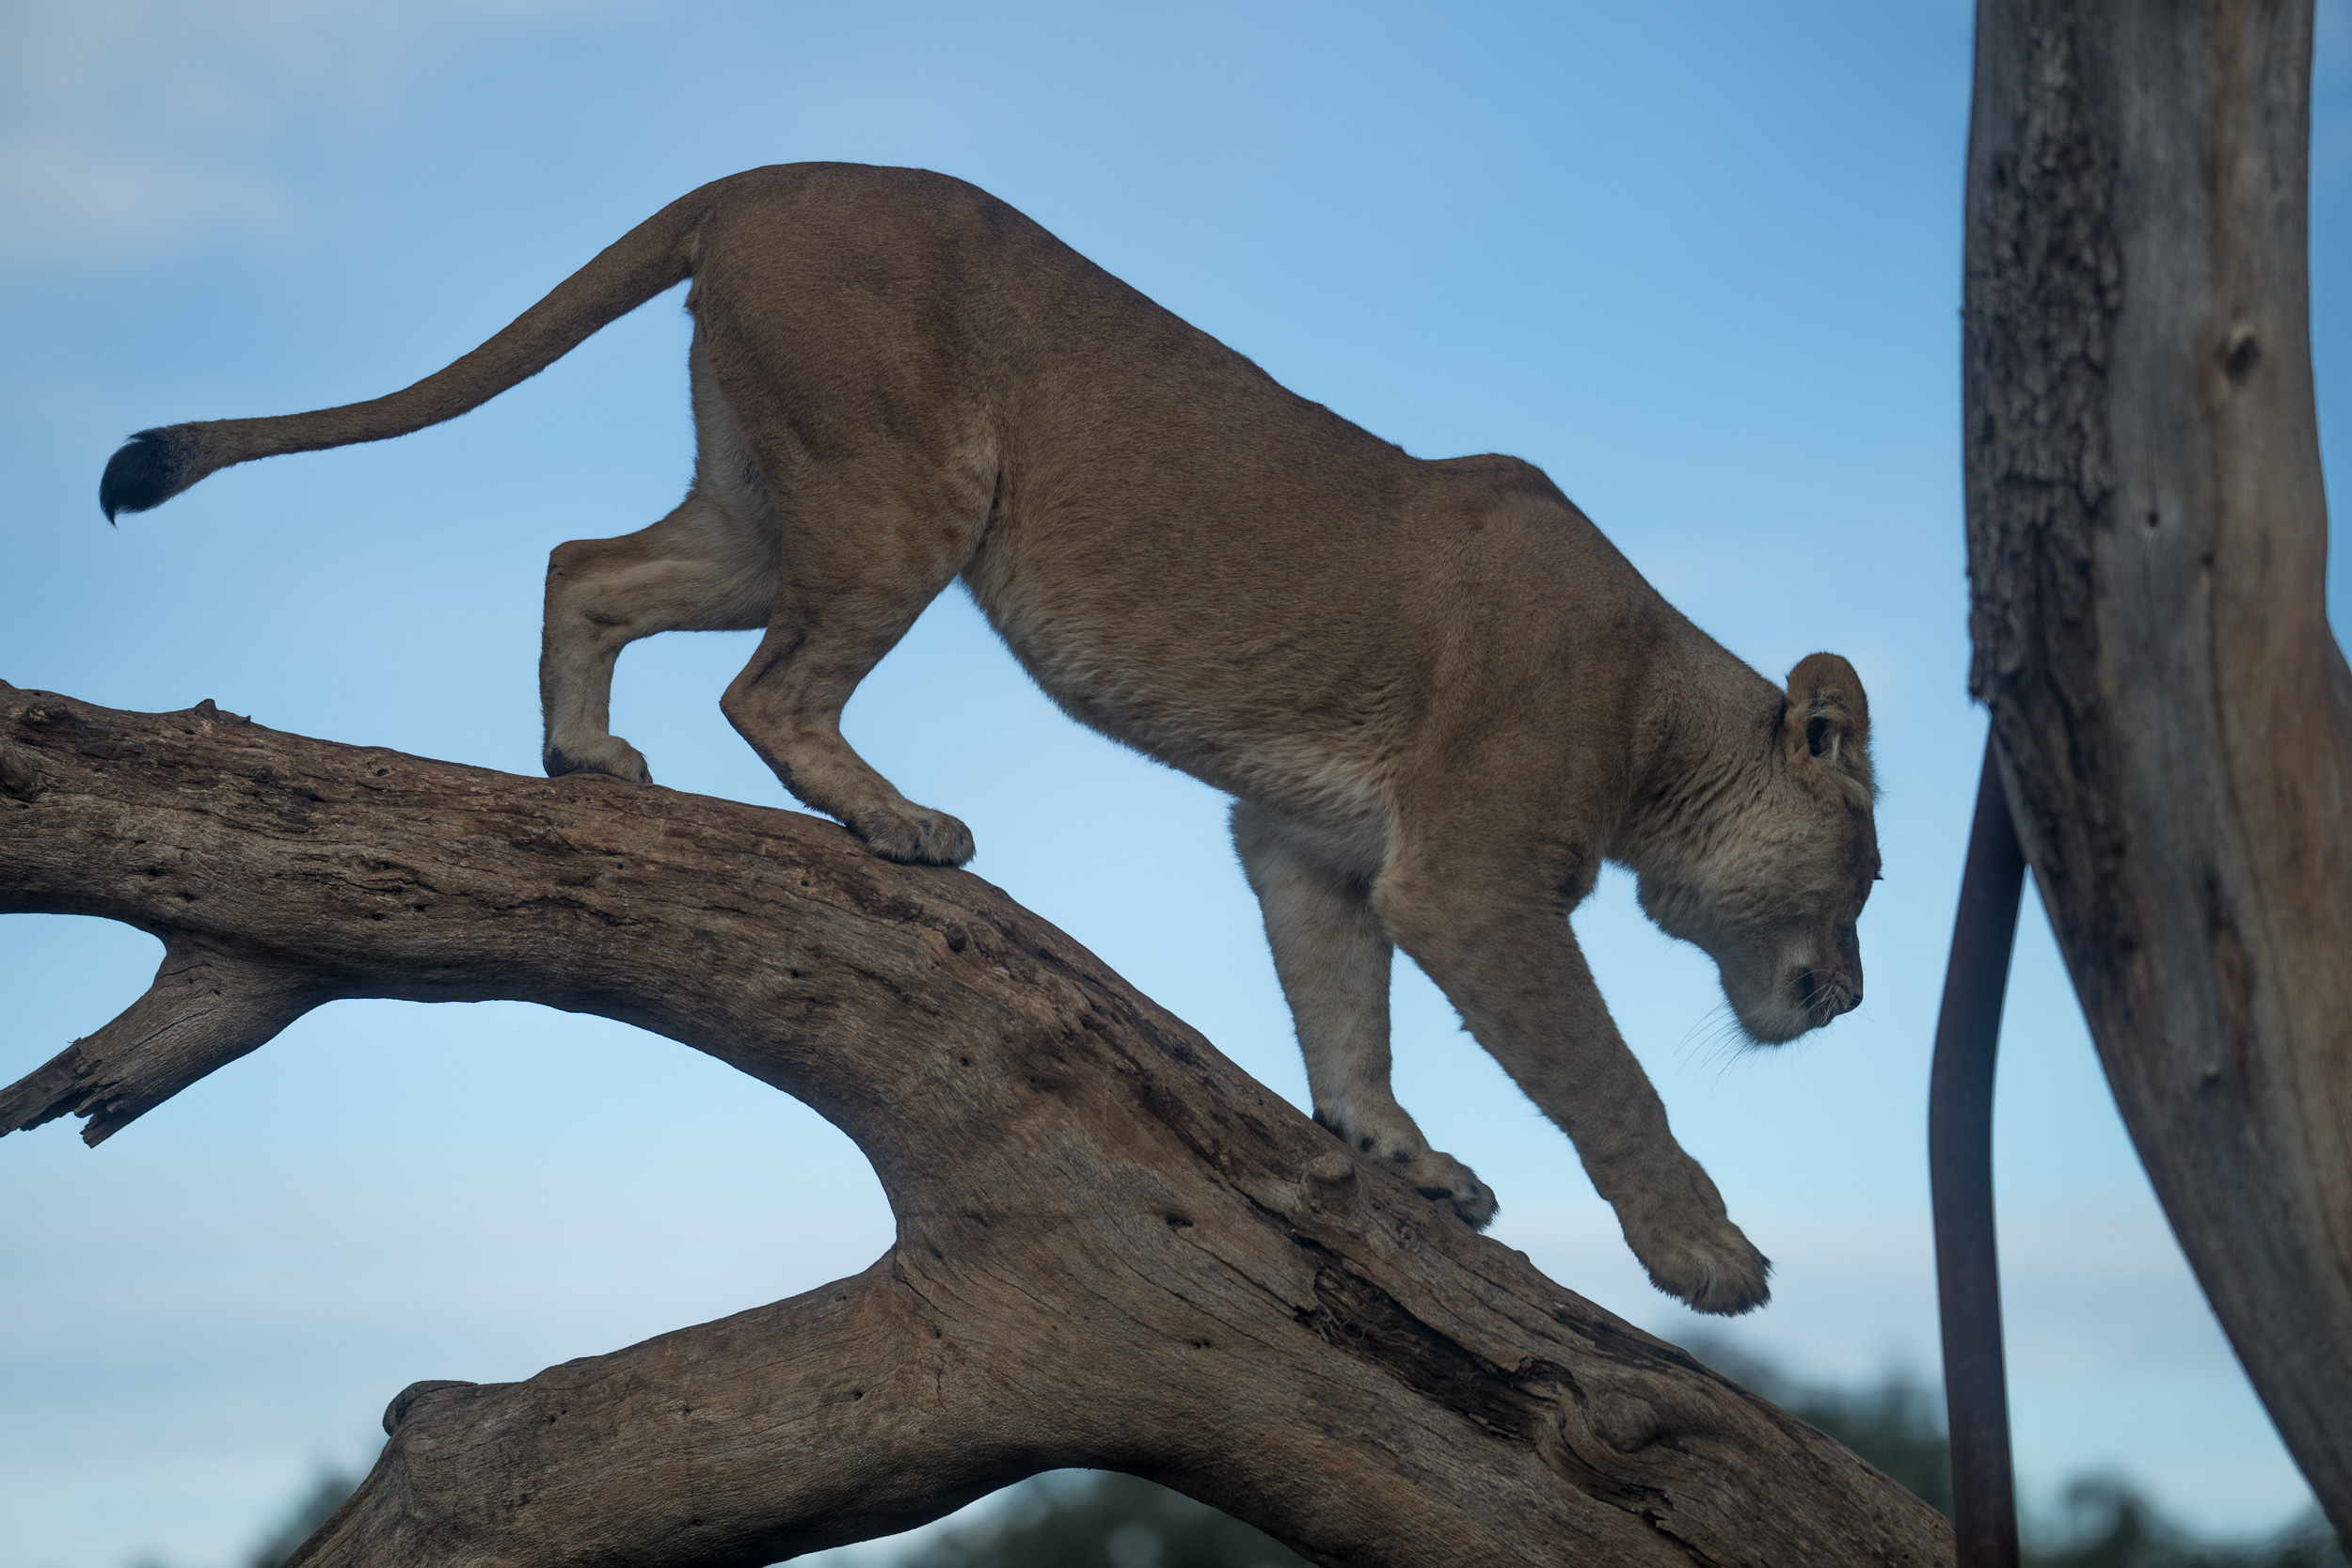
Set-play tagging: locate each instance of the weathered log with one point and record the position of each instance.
(2147, 542)
(1115, 1249)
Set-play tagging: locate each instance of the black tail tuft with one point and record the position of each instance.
(145, 472)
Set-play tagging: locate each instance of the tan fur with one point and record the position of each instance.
(1441, 698)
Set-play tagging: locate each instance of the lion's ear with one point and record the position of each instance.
(1829, 719)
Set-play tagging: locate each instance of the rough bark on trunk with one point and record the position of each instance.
(1114, 1248)
(2147, 541)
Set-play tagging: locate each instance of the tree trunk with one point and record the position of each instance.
(2147, 541)
(1113, 1249)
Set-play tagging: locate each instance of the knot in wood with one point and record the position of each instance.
(2241, 353)
(19, 776)
(1331, 1170)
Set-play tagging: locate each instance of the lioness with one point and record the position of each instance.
(1440, 697)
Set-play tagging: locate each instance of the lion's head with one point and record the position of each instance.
(1785, 863)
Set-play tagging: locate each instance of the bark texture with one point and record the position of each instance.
(1115, 1249)
(2146, 538)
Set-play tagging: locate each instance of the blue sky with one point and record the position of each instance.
(1700, 262)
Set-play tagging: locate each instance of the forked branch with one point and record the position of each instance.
(1113, 1249)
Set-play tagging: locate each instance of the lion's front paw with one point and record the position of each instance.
(1705, 1259)
(598, 754)
(916, 836)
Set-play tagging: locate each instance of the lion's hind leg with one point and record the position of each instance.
(1333, 958)
(867, 547)
(700, 568)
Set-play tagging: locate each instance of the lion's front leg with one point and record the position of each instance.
(1492, 933)
(1333, 961)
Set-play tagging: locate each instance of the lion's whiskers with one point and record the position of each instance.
(1718, 1040)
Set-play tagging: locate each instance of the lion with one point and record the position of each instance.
(1440, 698)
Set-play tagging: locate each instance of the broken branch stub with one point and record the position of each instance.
(1115, 1249)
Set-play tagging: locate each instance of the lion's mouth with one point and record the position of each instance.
(1823, 996)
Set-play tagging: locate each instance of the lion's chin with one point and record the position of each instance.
(1771, 1023)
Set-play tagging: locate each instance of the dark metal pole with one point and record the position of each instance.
(1959, 1170)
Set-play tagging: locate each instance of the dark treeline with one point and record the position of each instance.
(1093, 1519)
(1897, 1425)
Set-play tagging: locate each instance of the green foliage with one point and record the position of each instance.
(1895, 1423)
(1100, 1519)
(312, 1509)
(1081, 1519)
(2105, 1524)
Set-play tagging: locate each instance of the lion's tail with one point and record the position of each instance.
(156, 464)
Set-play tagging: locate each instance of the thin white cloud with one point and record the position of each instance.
(130, 127)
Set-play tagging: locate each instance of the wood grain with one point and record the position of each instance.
(1113, 1249)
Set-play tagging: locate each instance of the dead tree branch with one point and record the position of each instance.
(1113, 1249)
(2148, 539)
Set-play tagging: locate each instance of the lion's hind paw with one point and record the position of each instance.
(608, 754)
(1446, 1180)
(917, 836)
